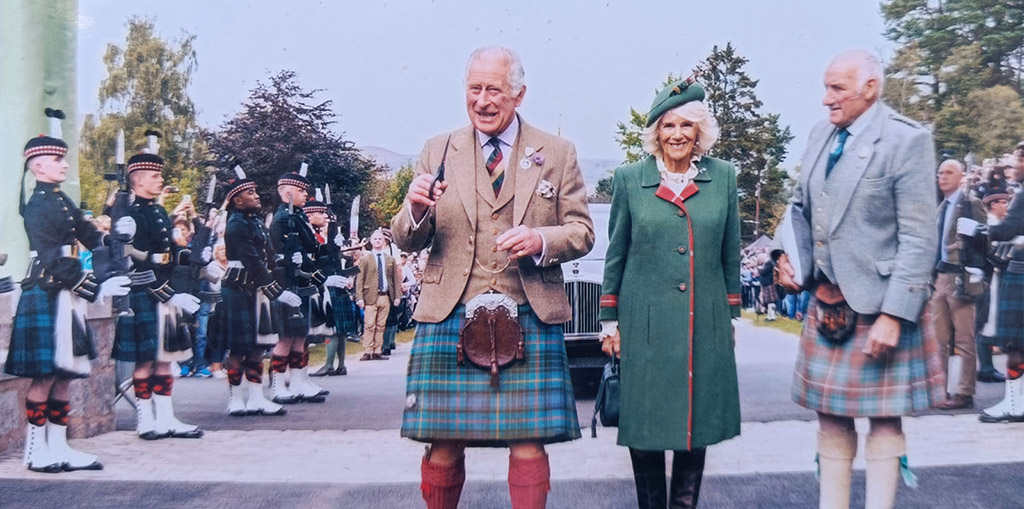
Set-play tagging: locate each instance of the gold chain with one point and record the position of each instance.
(492, 271)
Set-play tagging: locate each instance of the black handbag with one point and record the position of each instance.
(609, 394)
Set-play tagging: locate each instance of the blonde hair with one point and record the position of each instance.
(694, 111)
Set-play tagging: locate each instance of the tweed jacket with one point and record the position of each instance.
(970, 251)
(873, 220)
(366, 281)
(550, 197)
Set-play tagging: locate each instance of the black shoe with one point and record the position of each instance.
(96, 465)
(55, 468)
(991, 377)
(367, 357)
(386, 352)
(324, 371)
(319, 398)
(196, 433)
(341, 371)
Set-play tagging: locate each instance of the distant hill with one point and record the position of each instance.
(593, 169)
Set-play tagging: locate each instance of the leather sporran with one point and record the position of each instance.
(491, 338)
(836, 319)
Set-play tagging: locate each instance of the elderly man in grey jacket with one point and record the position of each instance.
(865, 196)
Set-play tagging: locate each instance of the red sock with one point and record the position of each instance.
(162, 384)
(279, 363)
(529, 481)
(142, 390)
(294, 360)
(442, 484)
(253, 371)
(235, 376)
(57, 411)
(1014, 372)
(305, 359)
(35, 412)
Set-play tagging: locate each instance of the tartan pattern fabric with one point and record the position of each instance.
(35, 412)
(58, 411)
(841, 380)
(137, 334)
(345, 319)
(1010, 315)
(31, 352)
(494, 168)
(236, 320)
(448, 401)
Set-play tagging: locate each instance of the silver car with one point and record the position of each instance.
(583, 287)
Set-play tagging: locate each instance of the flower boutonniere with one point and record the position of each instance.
(545, 189)
(531, 156)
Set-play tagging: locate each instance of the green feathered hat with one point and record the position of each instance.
(676, 94)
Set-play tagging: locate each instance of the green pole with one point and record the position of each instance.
(38, 46)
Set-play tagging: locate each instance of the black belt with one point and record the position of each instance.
(1015, 266)
(947, 268)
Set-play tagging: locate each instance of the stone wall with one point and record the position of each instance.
(92, 399)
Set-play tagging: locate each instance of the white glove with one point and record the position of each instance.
(207, 254)
(125, 227)
(967, 227)
(339, 240)
(116, 286)
(335, 281)
(975, 275)
(297, 258)
(289, 299)
(188, 304)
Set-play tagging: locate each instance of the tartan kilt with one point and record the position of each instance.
(236, 320)
(31, 352)
(446, 401)
(346, 322)
(841, 380)
(1010, 313)
(137, 335)
(294, 321)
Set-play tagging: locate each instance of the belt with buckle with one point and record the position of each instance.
(160, 258)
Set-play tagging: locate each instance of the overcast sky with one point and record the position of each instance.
(394, 69)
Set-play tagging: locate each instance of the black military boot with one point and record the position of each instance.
(649, 476)
(687, 471)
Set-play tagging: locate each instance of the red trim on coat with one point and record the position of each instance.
(734, 299)
(668, 195)
(609, 301)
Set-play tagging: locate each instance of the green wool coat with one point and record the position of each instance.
(672, 280)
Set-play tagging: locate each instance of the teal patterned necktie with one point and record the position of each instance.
(833, 156)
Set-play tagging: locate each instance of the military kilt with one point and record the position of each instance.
(446, 401)
(346, 322)
(31, 352)
(137, 335)
(236, 320)
(1010, 314)
(841, 380)
(295, 322)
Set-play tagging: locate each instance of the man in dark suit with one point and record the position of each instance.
(959, 278)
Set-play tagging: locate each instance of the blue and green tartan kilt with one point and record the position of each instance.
(448, 401)
(346, 322)
(237, 320)
(1010, 314)
(31, 352)
(839, 379)
(137, 335)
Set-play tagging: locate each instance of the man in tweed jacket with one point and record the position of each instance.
(511, 209)
(865, 192)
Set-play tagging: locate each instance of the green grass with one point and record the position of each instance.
(317, 353)
(783, 324)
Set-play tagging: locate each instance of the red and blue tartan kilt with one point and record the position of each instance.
(137, 334)
(31, 352)
(446, 401)
(839, 379)
(346, 322)
(1010, 313)
(237, 320)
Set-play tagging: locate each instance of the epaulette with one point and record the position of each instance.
(902, 119)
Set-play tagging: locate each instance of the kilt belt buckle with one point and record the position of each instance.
(160, 258)
(69, 251)
(491, 338)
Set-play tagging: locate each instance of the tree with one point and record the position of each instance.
(281, 125)
(755, 141)
(146, 88)
(989, 122)
(388, 193)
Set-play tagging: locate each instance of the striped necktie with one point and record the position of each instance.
(494, 168)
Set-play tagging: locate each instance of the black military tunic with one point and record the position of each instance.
(290, 234)
(53, 224)
(250, 269)
(152, 249)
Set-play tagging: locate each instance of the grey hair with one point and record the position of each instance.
(956, 164)
(694, 111)
(869, 66)
(516, 74)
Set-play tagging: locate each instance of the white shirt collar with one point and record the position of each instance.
(507, 137)
(954, 198)
(677, 181)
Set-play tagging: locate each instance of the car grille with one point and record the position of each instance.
(584, 299)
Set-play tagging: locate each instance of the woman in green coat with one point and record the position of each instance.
(671, 288)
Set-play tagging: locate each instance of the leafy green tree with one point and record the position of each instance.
(281, 125)
(988, 122)
(755, 141)
(388, 193)
(146, 87)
